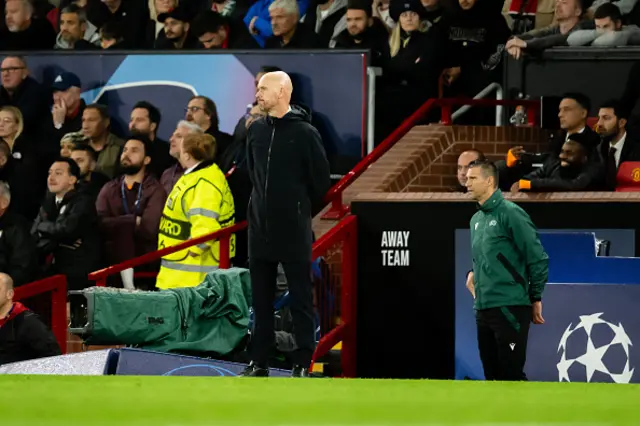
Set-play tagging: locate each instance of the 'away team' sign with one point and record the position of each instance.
(394, 248)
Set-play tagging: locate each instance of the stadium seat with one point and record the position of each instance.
(628, 178)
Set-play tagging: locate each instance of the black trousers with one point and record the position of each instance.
(263, 286)
(502, 340)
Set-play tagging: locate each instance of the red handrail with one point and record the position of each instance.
(57, 285)
(224, 235)
(334, 196)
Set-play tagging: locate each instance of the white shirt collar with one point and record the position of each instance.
(579, 131)
(192, 168)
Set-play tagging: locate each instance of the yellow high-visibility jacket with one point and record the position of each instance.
(200, 203)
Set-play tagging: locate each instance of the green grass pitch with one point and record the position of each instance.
(199, 401)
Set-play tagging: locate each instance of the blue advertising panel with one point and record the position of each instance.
(600, 292)
(168, 81)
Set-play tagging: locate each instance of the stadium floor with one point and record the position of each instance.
(198, 401)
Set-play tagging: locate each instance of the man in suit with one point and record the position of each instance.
(617, 144)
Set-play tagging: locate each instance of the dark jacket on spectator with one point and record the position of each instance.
(70, 233)
(375, 38)
(289, 190)
(94, 185)
(630, 99)
(39, 36)
(170, 177)
(25, 172)
(223, 141)
(23, 336)
(331, 25)
(163, 43)
(303, 38)
(630, 152)
(18, 257)
(122, 238)
(131, 15)
(161, 160)
(552, 177)
(545, 38)
(34, 102)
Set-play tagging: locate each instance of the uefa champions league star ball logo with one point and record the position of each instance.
(591, 357)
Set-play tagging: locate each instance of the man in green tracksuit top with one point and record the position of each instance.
(510, 269)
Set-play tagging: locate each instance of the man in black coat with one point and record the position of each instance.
(290, 175)
(18, 256)
(23, 336)
(67, 226)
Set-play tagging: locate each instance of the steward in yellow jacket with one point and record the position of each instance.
(200, 203)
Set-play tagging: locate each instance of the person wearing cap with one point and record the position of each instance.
(573, 170)
(215, 31)
(363, 31)
(67, 105)
(176, 33)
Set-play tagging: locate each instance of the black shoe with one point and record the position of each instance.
(254, 370)
(299, 371)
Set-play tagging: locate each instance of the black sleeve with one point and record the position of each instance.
(23, 265)
(586, 180)
(498, 33)
(36, 335)
(250, 162)
(631, 93)
(70, 227)
(319, 176)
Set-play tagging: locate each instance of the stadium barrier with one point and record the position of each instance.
(48, 298)
(338, 209)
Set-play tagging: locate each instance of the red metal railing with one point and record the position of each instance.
(338, 209)
(345, 234)
(222, 235)
(57, 286)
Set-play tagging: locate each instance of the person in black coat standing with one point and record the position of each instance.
(23, 336)
(289, 171)
(18, 256)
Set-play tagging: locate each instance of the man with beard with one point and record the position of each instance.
(203, 112)
(176, 33)
(130, 206)
(87, 158)
(364, 31)
(73, 30)
(617, 144)
(145, 120)
(573, 170)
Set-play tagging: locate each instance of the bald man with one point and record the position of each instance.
(22, 335)
(289, 171)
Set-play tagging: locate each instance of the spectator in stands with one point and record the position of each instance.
(434, 10)
(155, 27)
(23, 336)
(474, 35)
(327, 19)
(568, 17)
(609, 29)
(259, 21)
(176, 33)
(18, 256)
(297, 180)
(288, 32)
(364, 32)
(22, 91)
(382, 11)
(96, 125)
(573, 170)
(617, 144)
(21, 166)
(131, 16)
(625, 7)
(145, 120)
(466, 158)
(24, 31)
(53, 16)
(203, 112)
(68, 142)
(68, 107)
(172, 174)
(215, 31)
(412, 67)
(74, 31)
(200, 203)
(66, 226)
(112, 37)
(130, 206)
(232, 9)
(86, 158)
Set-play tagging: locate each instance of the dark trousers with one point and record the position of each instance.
(502, 340)
(263, 286)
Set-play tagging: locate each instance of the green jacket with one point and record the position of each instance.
(510, 265)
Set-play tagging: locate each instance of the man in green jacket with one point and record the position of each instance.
(510, 269)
